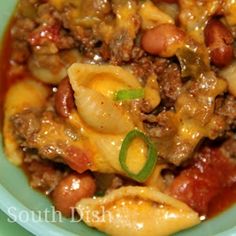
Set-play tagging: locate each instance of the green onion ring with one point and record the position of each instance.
(147, 169)
(129, 94)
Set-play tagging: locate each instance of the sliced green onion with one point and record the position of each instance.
(147, 169)
(129, 94)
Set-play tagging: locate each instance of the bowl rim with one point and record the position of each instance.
(43, 228)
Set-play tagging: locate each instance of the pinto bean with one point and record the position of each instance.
(219, 40)
(64, 100)
(72, 189)
(163, 40)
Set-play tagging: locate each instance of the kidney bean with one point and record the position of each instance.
(219, 40)
(72, 189)
(64, 100)
(163, 40)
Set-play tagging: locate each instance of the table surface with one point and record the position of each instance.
(11, 229)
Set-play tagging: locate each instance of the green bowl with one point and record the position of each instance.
(34, 212)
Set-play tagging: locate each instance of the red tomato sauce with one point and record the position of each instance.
(209, 184)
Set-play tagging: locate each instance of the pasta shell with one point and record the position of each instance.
(101, 113)
(32, 94)
(94, 87)
(138, 211)
(152, 16)
(51, 69)
(106, 148)
(83, 74)
(46, 75)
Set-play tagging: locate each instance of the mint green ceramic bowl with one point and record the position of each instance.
(28, 208)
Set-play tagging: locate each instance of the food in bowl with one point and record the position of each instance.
(122, 110)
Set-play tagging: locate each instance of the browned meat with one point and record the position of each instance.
(44, 132)
(20, 33)
(26, 124)
(43, 175)
(22, 28)
(20, 52)
(226, 107)
(161, 126)
(170, 83)
(121, 48)
(143, 67)
(168, 76)
(229, 148)
(168, 73)
(49, 32)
